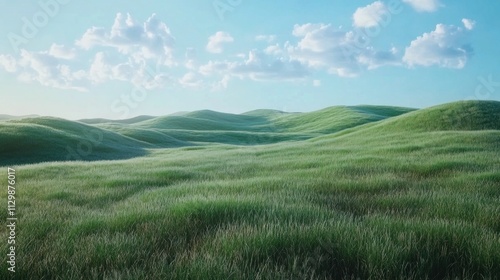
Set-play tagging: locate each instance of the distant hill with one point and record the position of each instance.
(125, 121)
(38, 139)
(265, 113)
(195, 122)
(4, 117)
(334, 119)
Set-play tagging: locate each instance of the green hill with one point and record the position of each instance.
(265, 113)
(44, 139)
(125, 121)
(48, 139)
(156, 137)
(337, 118)
(463, 115)
(187, 123)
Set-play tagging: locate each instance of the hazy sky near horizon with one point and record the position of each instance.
(84, 59)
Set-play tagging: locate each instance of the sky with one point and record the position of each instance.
(99, 59)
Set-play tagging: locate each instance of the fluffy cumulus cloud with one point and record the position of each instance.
(342, 53)
(142, 54)
(191, 80)
(424, 5)
(444, 47)
(273, 50)
(468, 23)
(60, 51)
(50, 71)
(54, 71)
(323, 46)
(151, 39)
(318, 47)
(143, 51)
(146, 49)
(216, 41)
(49, 68)
(139, 73)
(370, 15)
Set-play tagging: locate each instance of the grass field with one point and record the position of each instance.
(343, 193)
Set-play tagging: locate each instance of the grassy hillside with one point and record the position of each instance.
(52, 139)
(335, 119)
(155, 138)
(464, 115)
(383, 200)
(190, 123)
(265, 126)
(44, 139)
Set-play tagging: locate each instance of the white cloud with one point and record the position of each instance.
(444, 47)
(273, 50)
(8, 62)
(190, 80)
(339, 52)
(52, 71)
(123, 71)
(319, 38)
(60, 51)
(216, 41)
(136, 53)
(468, 23)
(370, 15)
(222, 84)
(424, 5)
(139, 73)
(141, 52)
(213, 67)
(100, 70)
(49, 71)
(151, 39)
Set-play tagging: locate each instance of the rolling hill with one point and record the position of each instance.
(125, 121)
(50, 139)
(335, 119)
(43, 139)
(31, 140)
(463, 116)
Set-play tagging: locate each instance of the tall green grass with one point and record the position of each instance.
(364, 204)
(414, 208)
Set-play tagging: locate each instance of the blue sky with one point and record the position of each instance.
(76, 59)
